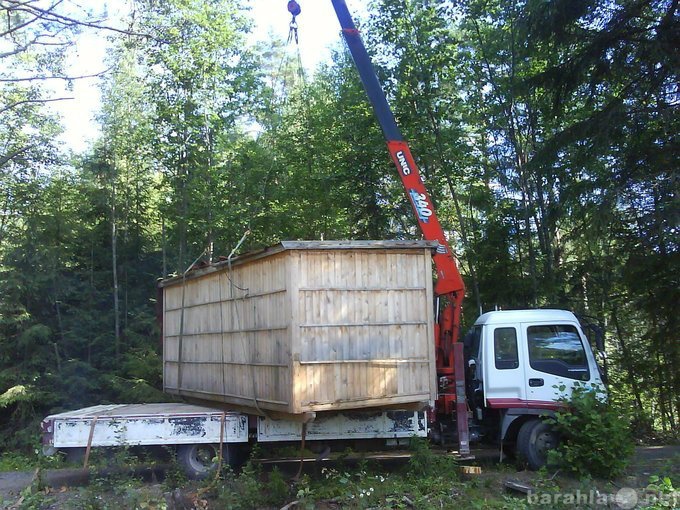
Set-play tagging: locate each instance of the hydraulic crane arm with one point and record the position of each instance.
(449, 280)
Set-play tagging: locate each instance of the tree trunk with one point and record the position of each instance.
(627, 361)
(466, 243)
(164, 248)
(114, 264)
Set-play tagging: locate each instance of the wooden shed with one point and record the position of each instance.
(304, 326)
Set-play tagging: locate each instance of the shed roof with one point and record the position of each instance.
(301, 245)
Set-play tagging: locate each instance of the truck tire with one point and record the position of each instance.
(198, 461)
(534, 440)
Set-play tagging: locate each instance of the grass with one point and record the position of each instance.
(15, 461)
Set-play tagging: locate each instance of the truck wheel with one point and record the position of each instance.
(534, 440)
(198, 461)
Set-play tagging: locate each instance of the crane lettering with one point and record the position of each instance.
(421, 205)
(405, 169)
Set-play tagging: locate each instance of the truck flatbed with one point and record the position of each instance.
(143, 425)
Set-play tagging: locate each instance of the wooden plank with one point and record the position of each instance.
(376, 362)
(361, 325)
(166, 350)
(239, 399)
(358, 245)
(224, 265)
(230, 299)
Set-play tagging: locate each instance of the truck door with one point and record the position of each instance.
(504, 377)
(556, 356)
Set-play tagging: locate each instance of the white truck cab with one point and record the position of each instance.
(521, 363)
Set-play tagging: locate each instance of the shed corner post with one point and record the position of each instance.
(431, 324)
(295, 372)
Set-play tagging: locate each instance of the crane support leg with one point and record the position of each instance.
(461, 401)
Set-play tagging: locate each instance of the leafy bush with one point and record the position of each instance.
(277, 489)
(595, 438)
(660, 494)
(424, 462)
(19, 393)
(175, 477)
(243, 490)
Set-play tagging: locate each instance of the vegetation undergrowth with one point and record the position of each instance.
(661, 494)
(120, 487)
(596, 439)
(429, 480)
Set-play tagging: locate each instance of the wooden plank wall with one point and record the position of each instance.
(363, 332)
(234, 333)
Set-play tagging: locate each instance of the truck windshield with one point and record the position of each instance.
(557, 350)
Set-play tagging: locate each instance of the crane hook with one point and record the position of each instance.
(294, 8)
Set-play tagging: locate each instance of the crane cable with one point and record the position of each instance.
(295, 10)
(293, 35)
(279, 85)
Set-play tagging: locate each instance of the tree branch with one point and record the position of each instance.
(49, 15)
(4, 159)
(66, 78)
(36, 41)
(28, 101)
(11, 30)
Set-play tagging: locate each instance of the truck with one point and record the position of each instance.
(496, 384)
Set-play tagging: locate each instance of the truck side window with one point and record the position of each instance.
(505, 348)
(472, 340)
(557, 350)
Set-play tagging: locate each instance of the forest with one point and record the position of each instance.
(547, 134)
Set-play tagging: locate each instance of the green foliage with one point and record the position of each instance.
(122, 489)
(425, 462)
(175, 476)
(660, 493)
(18, 393)
(34, 499)
(305, 494)
(242, 490)
(14, 461)
(427, 481)
(277, 488)
(124, 493)
(595, 438)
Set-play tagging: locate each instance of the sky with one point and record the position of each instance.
(318, 32)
